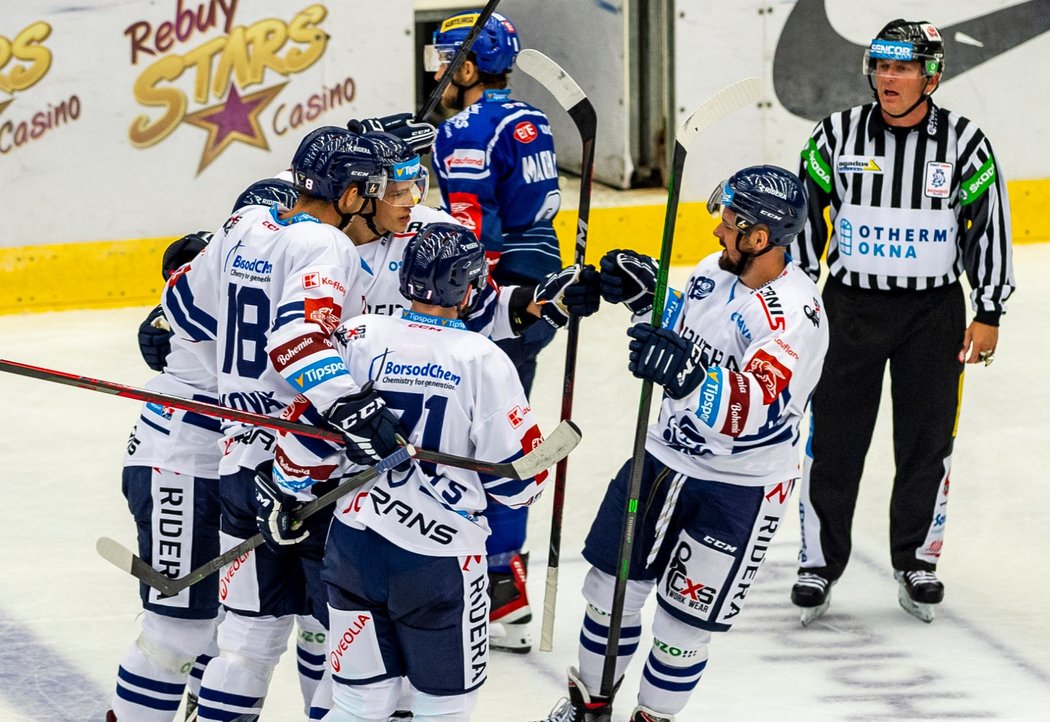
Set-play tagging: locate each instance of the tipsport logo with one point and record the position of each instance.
(203, 68)
(25, 59)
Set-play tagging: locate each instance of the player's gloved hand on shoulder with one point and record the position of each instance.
(665, 358)
(275, 510)
(419, 135)
(155, 339)
(572, 291)
(629, 278)
(368, 425)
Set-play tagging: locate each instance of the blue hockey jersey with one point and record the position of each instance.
(498, 174)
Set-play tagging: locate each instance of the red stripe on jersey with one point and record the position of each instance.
(466, 208)
(296, 471)
(739, 387)
(299, 348)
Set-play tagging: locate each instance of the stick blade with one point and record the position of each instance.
(725, 101)
(115, 553)
(551, 75)
(124, 559)
(555, 447)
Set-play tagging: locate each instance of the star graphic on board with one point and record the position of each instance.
(236, 118)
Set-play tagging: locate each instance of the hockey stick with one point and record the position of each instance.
(457, 60)
(549, 452)
(123, 558)
(575, 102)
(721, 104)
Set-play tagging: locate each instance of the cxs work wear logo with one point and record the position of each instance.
(24, 61)
(203, 68)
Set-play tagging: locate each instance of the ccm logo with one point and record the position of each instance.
(525, 132)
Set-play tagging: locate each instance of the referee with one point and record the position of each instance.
(915, 198)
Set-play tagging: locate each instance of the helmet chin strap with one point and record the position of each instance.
(461, 92)
(345, 218)
(740, 266)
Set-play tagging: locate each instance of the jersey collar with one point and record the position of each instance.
(297, 218)
(410, 315)
(496, 95)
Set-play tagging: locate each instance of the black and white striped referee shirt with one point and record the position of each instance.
(910, 208)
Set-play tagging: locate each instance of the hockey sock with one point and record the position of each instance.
(364, 702)
(310, 650)
(193, 684)
(674, 666)
(598, 590)
(153, 673)
(594, 640)
(235, 683)
(443, 708)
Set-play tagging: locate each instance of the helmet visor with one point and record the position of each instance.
(407, 193)
(408, 183)
(894, 58)
(435, 56)
(720, 199)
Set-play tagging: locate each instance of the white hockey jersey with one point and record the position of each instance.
(382, 259)
(764, 351)
(180, 441)
(456, 392)
(269, 292)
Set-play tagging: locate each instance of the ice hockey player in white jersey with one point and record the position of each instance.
(738, 355)
(268, 293)
(170, 481)
(405, 564)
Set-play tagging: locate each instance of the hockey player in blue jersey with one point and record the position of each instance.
(405, 562)
(738, 355)
(498, 174)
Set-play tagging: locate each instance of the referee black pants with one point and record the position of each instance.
(919, 333)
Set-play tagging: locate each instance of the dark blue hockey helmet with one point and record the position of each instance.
(407, 179)
(495, 48)
(331, 159)
(441, 264)
(182, 251)
(268, 192)
(763, 194)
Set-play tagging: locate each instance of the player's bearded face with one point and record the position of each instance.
(729, 236)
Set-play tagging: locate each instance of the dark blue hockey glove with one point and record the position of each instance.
(368, 425)
(275, 510)
(155, 341)
(629, 278)
(665, 358)
(572, 291)
(419, 136)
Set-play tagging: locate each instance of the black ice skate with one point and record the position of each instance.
(511, 613)
(812, 595)
(644, 714)
(581, 706)
(918, 593)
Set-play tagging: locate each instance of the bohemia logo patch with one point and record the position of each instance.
(525, 132)
(223, 83)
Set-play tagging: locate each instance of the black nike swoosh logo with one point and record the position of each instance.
(816, 70)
